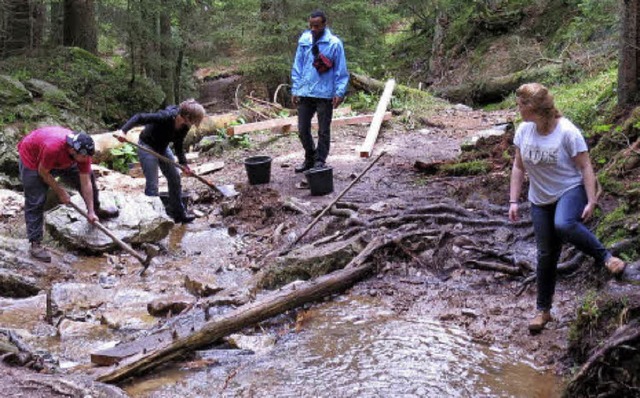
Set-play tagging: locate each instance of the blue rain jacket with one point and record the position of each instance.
(306, 80)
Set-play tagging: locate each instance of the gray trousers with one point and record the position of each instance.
(35, 196)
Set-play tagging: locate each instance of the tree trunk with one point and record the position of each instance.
(38, 15)
(80, 27)
(17, 26)
(371, 85)
(56, 22)
(178, 74)
(628, 70)
(166, 52)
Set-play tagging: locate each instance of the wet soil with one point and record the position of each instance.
(483, 303)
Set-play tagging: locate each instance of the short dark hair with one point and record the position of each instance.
(318, 13)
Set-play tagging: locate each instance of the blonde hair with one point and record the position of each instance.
(540, 100)
(192, 111)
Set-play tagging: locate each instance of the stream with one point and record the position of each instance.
(352, 346)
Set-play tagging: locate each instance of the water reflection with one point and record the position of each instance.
(351, 348)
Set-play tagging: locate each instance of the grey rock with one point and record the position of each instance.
(142, 219)
(12, 92)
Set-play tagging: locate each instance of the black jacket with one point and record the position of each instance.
(159, 131)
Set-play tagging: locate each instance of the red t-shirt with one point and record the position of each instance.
(48, 145)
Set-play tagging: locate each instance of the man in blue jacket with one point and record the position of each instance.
(319, 81)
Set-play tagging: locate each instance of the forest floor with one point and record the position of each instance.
(490, 306)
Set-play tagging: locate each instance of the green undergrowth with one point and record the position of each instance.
(596, 317)
(102, 93)
(475, 167)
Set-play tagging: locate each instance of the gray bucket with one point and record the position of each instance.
(320, 180)
(258, 169)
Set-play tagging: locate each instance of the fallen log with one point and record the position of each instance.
(497, 88)
(371, 85)
(106, 141)
(253, 313)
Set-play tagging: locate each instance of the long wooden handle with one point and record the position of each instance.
(170, 161)
(110, 234)
(326, 209)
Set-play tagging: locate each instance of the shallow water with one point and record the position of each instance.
(353, 348)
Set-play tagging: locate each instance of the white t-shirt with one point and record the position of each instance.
(548, 159)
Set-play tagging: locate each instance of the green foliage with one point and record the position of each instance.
(596, 316)
(585, 101)
(592, 19)
(476, 167)
(362, 101)
(612, 227)
(103, 93)
(121, 158)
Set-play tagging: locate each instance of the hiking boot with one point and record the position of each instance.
(107, 212)
(39, 253)
(615, 265)
(304, 167)
(184, 219)
(537, 323)
(319, 164)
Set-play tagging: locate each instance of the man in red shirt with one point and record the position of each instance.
(47, 153)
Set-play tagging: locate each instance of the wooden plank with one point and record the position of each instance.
(112, 356)
(372, 135)
(208, 168)
(284, 124)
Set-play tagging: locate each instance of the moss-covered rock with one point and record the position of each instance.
(86, 88)
(309, 262)
(49, 92)
(9, 137)
(12, 92)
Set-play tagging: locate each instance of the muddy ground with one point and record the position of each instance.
(491, 306)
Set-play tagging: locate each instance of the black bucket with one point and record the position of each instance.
(258, 169)
(164, 197)
(320, 180)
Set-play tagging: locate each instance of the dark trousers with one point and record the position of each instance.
(307, 107)
(35, 196)
(553, 225)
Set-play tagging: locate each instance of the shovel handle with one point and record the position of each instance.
(110, 234)
(170, 161)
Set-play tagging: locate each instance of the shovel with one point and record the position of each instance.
(224, 190)
(144, 261)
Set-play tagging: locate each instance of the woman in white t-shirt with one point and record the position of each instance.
(562, 190)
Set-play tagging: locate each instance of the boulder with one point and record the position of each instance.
(9, 138)
(142, 219)
(12, 92)
(309, 261)
(17, 286)
(169, 305)
(49, 93)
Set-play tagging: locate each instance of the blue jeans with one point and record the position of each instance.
(306, 108)
(554, 225)
(35, 196)
(150, 165)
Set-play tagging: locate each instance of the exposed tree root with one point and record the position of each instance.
(612, 370)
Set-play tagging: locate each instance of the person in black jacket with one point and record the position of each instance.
(161, 128)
